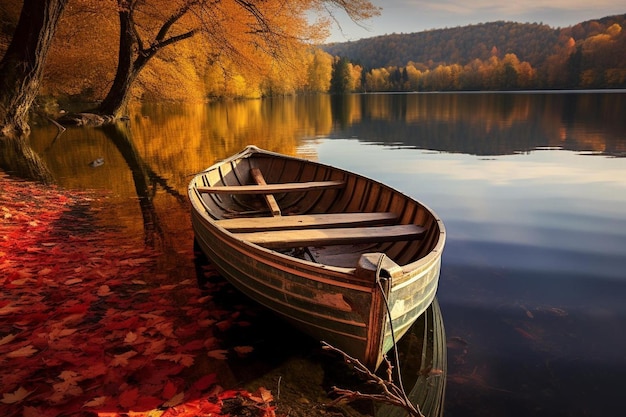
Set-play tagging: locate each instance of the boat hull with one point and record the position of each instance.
(345, 306)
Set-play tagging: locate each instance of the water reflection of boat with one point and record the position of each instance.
(331, 251)
(423, 361)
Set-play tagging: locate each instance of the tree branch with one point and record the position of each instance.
(167, 25)
(391, 393)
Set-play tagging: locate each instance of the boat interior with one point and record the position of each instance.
(315, 212)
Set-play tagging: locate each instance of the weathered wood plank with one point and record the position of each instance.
(272, 188)
(340, 236)
(269, 198)
(307, 221)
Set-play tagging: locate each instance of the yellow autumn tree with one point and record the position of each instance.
(170, 49)
(319, 71)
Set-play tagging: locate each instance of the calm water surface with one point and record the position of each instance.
(531, 187)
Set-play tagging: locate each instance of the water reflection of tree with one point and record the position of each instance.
(145, 180)
(486, 124)
(19, 159)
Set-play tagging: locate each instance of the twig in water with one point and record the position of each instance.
(391, 393)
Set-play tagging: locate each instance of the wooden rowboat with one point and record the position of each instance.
(331, 251)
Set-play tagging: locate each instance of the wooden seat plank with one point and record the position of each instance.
(272, 188)
(283, 239)
(307, 221)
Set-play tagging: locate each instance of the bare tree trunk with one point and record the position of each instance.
(21, 68)
(133, 56)
(117, 98)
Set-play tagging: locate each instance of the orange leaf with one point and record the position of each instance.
(130, 337)
(266, 395)
(96, 402)
(243, 350)
(104, 290)
(7, 339)
(94, 370)
(15, 397)
(181, 358)
(156, 346)
(218, 354)
(8, 309)
(175, 400)
(23, 352)
(122, 359)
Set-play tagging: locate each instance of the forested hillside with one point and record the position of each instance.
(497, 55)
(530, 42)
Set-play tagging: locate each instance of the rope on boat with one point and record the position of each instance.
(379, 268)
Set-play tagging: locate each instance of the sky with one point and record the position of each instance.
(408, 16)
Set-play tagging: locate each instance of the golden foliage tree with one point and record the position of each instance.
(319, 71)
(259, 36)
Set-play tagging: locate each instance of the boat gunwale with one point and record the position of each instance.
(250, 150)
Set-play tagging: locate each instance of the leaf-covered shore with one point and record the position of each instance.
(86, 328)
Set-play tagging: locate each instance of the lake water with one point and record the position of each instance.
(531, 188)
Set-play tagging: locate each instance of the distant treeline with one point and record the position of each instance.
(492, 56)
(489, 56)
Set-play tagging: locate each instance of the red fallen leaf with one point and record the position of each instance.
(231, 393)
(224, 324)
(32, 412)
(155, 347)
(122, 359)
(211, 342)
(243, 350)
(166, 329)
(169, 390)
(147, 403)
(193, 345)
(199, 407)
(206, 323)
(204, 299)
(129, 398)
(205, 382)
(181, 358)
(125, 324)
(78, 308)
(59, 333)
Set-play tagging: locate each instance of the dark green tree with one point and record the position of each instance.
(509, 77)
(340, 77)
(574, 68)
